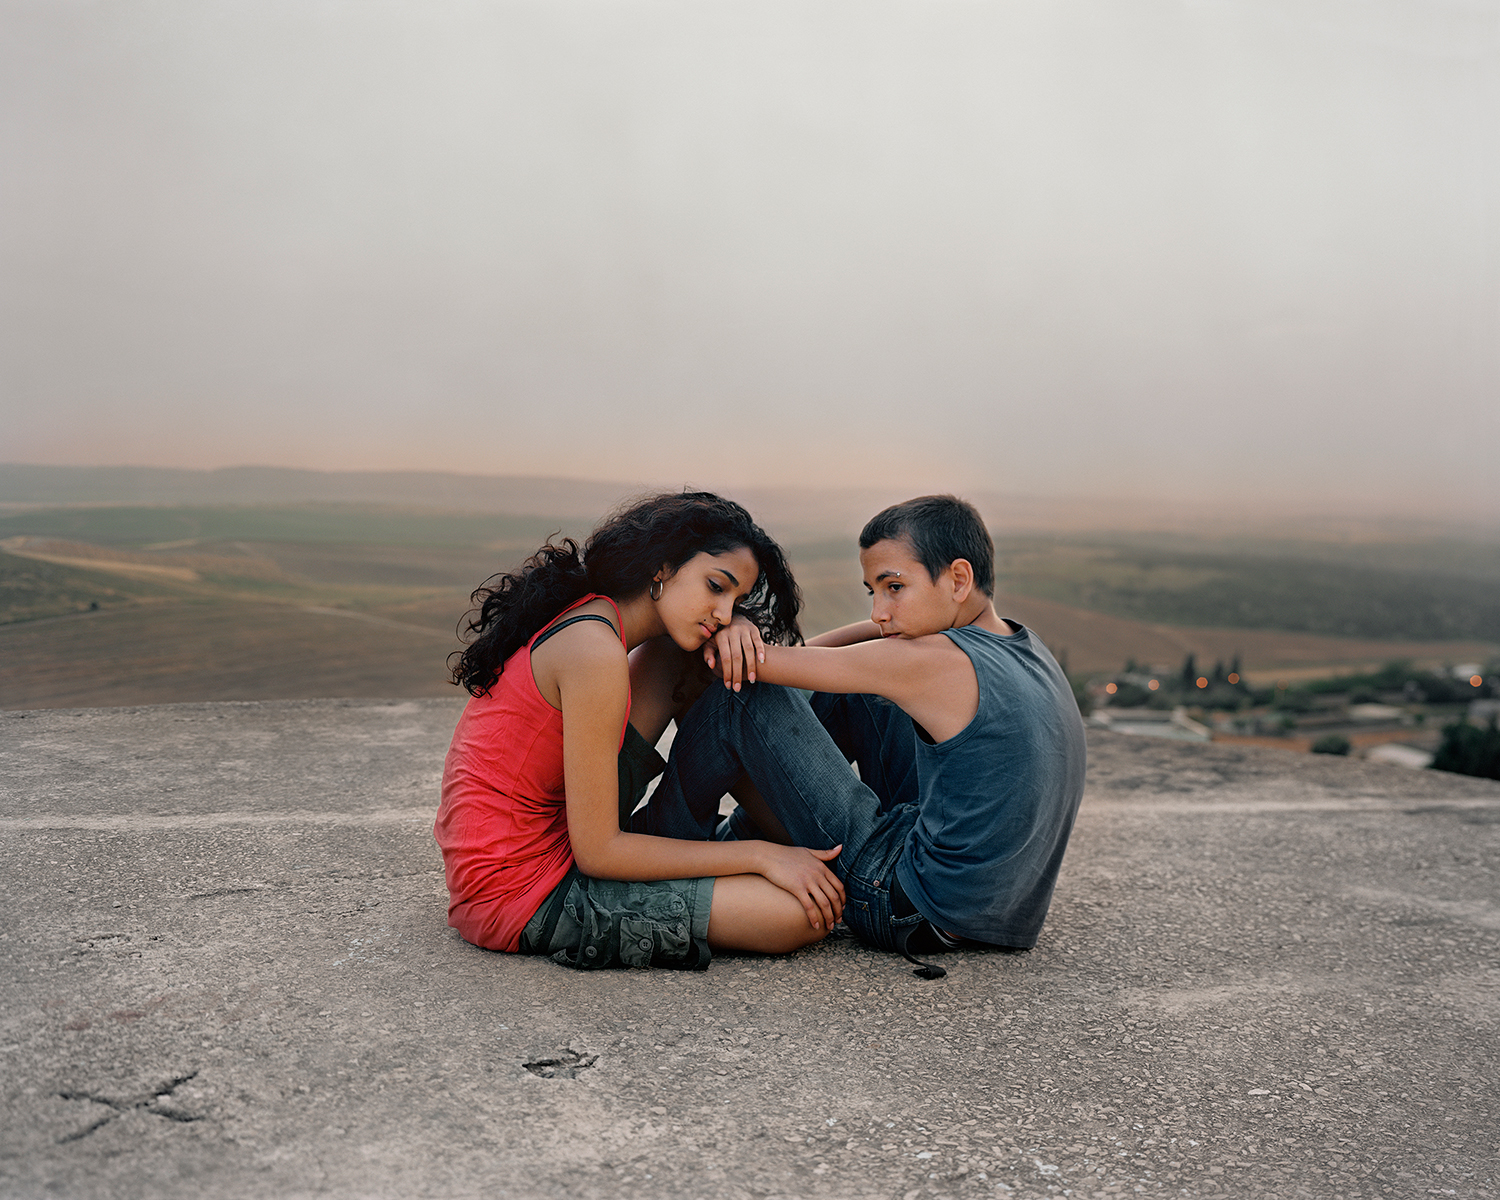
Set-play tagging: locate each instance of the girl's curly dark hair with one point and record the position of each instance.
(619, 560)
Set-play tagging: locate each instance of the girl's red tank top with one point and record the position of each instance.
(502, 824)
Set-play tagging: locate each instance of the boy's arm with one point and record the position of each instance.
(891, 669)
(929, 677)
(848, 635)
(738, 649)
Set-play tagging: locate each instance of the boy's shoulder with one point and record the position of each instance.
(950, 643)
(924, 646)
(931, 678)
(992, 623)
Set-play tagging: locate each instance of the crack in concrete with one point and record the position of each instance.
(83, 1133)
(565, 1065)
(95, 940)
(120, 1107)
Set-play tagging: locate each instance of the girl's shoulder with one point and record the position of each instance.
(582, 645)
(590, 615)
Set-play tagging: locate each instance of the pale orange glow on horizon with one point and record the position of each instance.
(1026, 250)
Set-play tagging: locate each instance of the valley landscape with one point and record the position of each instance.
(121, 588)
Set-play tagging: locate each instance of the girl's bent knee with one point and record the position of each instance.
(806, 936)
(793, 935)
(751, 913)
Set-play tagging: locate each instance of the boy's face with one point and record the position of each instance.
(905, 601)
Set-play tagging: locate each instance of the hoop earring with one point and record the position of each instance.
(654, 591)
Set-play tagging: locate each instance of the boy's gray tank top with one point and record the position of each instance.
(997, 800)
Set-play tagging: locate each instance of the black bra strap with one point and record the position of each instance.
(570, 621)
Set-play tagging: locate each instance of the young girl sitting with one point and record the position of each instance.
(555, 749)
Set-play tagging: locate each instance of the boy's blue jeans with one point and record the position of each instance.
(797, 754)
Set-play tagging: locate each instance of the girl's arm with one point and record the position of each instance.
(593, 681)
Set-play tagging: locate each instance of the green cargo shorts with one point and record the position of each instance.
(592, 923)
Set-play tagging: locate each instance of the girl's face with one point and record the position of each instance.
(698, 599)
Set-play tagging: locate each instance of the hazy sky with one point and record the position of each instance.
(1210, 249)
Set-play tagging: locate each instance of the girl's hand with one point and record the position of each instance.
(735, 651)
(803, 873)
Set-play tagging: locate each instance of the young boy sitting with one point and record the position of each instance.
(968, 741)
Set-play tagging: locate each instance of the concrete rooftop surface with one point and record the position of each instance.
(227, 973)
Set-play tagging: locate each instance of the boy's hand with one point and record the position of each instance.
(804, 874)
(735, 651)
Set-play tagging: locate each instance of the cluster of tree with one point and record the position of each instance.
(1401, 682)
(1288, 700)
(1470, 750)
(1444, 689)
(1332, 743)
(1221, 687)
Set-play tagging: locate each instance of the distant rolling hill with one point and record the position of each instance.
(34, 485)
(165, 639)
(135, 586)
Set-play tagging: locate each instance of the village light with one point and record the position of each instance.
(1234, 677)
(1153, 685)
(1475, 680)
(1111, 688)
(1202, 681)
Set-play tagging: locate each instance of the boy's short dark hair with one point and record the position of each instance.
(939, 530)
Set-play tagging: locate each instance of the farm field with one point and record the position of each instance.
(179, 651)
(1093, 641)
(1432, 590)
(147, 646)
(142, 604)
(186, 651)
